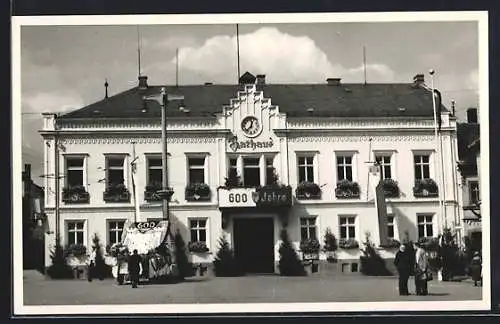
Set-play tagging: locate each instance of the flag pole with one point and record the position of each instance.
(133, 165)
(438, 150)
(238, 50)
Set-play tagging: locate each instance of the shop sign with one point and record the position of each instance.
(145, 226)
(252, 197)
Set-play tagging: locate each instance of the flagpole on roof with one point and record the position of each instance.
(438, 150)
(238, 51)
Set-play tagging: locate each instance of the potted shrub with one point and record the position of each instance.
(425, 188)
(347, 244)
(310, 249)
(330, 246)
(308, 190)
(116, 193)
(347, 189)
(75, 195)
(233, 180)
(197, 192)
(391, 188)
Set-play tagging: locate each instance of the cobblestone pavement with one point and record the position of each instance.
(249, 289)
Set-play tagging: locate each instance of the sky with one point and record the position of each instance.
(64, 67)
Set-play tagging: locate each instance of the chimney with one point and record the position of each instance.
(333, 81)
(143, 82)
(419, 79)
(472, 115)
(261, 79)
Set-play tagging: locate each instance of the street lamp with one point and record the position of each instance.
(166, 192)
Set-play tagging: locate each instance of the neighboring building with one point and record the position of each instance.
(320, 134)
(469, 166)
(33, 221)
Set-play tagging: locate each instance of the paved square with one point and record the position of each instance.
(250, 289)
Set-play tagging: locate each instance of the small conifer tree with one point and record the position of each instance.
(372, 264)
(225, 264)
(330, 241)
(59, 269)
(289, 263)
(181, 256)
(101, 269)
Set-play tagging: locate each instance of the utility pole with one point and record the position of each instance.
(56, 179)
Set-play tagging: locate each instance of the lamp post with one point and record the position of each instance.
(166, 193)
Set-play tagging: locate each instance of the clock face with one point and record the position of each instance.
(251, 126)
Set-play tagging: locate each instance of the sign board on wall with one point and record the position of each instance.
(252, 197)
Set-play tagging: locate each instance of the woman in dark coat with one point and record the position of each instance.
(476, 268)
(404, 264)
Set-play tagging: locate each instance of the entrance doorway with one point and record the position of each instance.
(254, 244)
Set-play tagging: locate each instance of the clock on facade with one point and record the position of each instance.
(251, 126)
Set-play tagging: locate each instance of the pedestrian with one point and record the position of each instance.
(403, 263)
(134, 267)
(91, 265)
(476, 268)
(421, 270)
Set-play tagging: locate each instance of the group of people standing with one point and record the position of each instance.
(415, 263)
(412, 264)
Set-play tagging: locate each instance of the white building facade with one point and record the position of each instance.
(256, 136)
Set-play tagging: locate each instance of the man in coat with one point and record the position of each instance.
(421, 267)
(404, 263)
(134, 267)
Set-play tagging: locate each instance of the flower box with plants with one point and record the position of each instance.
(429, 244)
(391, 244)
(197, 192)
(199, 252)
(308, 190)
(391, 188)
(425, 188)
(233, 180)
(116, 193)
(151, 191)
(310, 249)
(75, 195)
(76, 255)
(348, 244)
(347, 189)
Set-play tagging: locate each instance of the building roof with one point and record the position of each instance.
(345, 100)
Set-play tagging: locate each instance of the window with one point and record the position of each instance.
(308, 228)
(347, 227)
(390, 226)
(115, 170)
(306, 168)
(196, 167)
(74, 171)
(198, 230)
(384, 161)
(422, 166)
(270, 176)
(425, 226)
(251, 172)
(115, 231)
(344, 167)
(154, 170)
(474, 196)
(76, 232)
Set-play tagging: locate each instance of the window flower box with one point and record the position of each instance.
(308, 190)
(197, 192)
(347, 244)
(310, 249)
(75, 195)
(391, 188)
(429, 243)
(425, 188)
(198, 247)
(347, 189)
(116, 193)
(75, 255)
(151, 192)
(391, 244)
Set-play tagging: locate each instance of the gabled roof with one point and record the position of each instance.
(345, 100)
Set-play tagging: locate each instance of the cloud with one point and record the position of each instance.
(374, 72)
(57, 101)
(284, 58)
